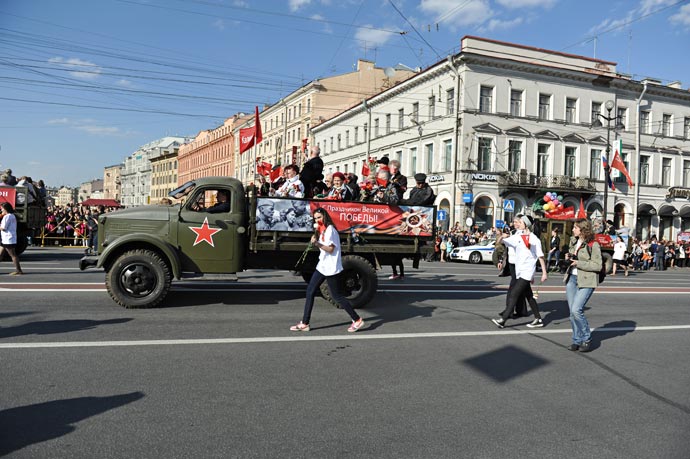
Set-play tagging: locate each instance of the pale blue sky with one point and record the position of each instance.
(84, 83)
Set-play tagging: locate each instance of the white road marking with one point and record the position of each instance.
(302, 337)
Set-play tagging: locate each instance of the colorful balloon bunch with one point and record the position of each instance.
(552, 201)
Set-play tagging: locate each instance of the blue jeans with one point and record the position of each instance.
(556, 255)
(316, 280)
(577, 299)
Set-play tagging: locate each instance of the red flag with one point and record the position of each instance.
(617, 163)
(581, 213)
(263, 168)
(365, 169)
(304, 144)
(565, 213)
(275, 173)
(252, 135)
(381, 182)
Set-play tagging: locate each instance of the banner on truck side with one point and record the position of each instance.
(280, 214)
(8, 194)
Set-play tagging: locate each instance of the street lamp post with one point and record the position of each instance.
(607, 169)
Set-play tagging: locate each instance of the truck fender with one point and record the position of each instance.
(140, 241)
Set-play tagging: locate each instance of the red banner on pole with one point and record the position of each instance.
(252, 135)
(566, 213)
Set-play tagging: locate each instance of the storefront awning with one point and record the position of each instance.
(685, 211)
(667, 210)
(646, 209)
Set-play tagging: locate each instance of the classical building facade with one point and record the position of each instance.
(66, 196)
(500, 124)
(210, 153)
(90, 189)
(136, 173)
(163, 175)
(111, 181)
(286, 125)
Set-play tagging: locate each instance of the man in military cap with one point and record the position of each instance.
(421, 194)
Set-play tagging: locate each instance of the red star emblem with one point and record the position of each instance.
(204, 233)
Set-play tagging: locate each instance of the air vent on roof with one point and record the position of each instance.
(675, 85)
(652, 81)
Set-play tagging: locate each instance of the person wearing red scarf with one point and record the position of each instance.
(528, 250)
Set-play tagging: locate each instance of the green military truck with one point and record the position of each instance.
(30, 217)
(143, 249)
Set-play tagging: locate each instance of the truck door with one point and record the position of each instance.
(208, 238)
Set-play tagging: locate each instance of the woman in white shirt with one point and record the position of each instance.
(326, 238)
(8, 232)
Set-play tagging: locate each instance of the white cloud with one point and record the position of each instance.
(499, 24)
(33, 163)
(240, 3)
(644, 7)
(79, 69)
(326, 27)
(647, 6)
(59, 121)
(219, 24)
(682, 18)
(458, 12)
(99, 130)
(515, 4)
(124, 82)
(297, 4)
(374, 37)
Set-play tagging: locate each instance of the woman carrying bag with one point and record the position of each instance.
(326, 238)
(581, 279)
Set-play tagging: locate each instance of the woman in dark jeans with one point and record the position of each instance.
(330, 264)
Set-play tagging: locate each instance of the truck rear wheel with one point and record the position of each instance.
(138, 279)
(357, 282)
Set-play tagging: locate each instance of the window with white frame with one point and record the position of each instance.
(543, 150)
(544, 106)
(516, 102)
(666, 125)
(356, 135)
(571, 110)
(644, 170)
(570, 160)
(432, 107)
(415, 111)
(398, 156)
(366, 132)
(486, 97)
(686, 174)
(596, 111)
(347, 138)
(413, 161)
(484, 154)
(644, 121)
(666, 171)
(686, 127)
(308, 105)
(401, 119)
(429, 149)
(376, 128)
(514, 155)
(447, 155)
(622, 115)
(331, 145)
(388, 123)
(450, 101)
(594, 163)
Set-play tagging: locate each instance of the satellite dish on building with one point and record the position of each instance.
(389, 72)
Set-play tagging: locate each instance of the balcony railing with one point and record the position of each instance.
(527, 180)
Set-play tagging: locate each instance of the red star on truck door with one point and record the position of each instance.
(204, 233)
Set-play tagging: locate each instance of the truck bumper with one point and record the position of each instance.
(88, 262)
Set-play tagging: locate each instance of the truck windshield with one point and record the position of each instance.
(183, 190)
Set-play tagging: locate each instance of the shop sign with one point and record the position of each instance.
(436, 178)
(484, 177)
(678, 192)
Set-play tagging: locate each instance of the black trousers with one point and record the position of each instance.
(521, 290)
(520, 307)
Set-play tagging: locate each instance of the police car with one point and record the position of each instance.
(478, 253)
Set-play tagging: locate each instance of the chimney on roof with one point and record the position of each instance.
(363, 64)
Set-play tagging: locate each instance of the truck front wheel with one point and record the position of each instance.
(358, 282)
(138, 279)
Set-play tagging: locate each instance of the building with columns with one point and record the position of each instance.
(504, 122)
(286, 124)
(210, 153)
(136, 173)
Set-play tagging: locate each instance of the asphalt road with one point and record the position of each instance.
(216, 373)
